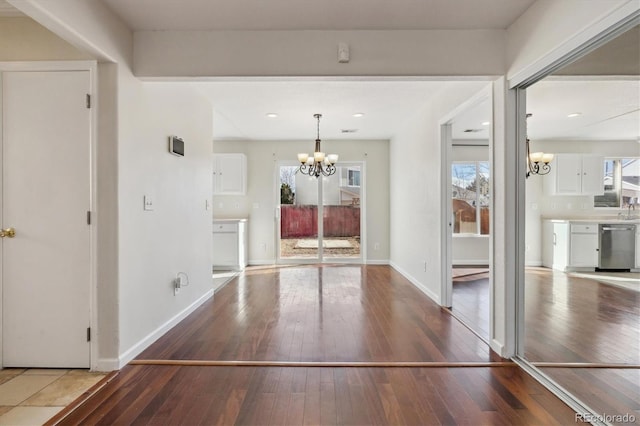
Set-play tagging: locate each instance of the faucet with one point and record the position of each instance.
(630, 205)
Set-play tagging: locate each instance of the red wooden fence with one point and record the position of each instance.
(302, 221)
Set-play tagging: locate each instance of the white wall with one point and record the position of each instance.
(469, 250)
(550, 29)
(136, 267)
(416, 189)
(313, 53)
(23, 39)
(541, 204)
(260, 202)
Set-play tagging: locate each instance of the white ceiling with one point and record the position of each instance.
(317, 15)
(241, 108)
(609, 110)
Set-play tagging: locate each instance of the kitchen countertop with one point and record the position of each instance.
(230, 220)
(611, 220)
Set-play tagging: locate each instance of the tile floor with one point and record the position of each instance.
(33, 396)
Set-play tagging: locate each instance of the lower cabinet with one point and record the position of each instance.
(567, 245)
(583, 249)
(230, 244)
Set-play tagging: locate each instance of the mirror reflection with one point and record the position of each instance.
(582, 286)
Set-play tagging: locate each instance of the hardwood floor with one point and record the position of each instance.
(572, 319)
(328, 313)
(471, 302)
(321, 313)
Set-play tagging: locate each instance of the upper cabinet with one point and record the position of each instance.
(577, 174)
(229, 174)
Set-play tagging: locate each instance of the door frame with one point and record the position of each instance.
(446, 208)
(320, 258)
(53, 66)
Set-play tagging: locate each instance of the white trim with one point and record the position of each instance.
(446, 208)
(471, 262)
(624, 16)
(144, 343)
(106, 364)
(533, 263)
(416, 283)
(377, 262)
(260, 262)
(498, 348)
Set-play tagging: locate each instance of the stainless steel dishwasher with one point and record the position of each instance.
(617, 246)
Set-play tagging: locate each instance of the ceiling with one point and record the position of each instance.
(8, 11)
(241, 108)
(609, 109)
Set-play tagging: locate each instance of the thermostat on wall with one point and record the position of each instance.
(176, 146)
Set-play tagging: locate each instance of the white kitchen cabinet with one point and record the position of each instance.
(583, 249)
(229, 174)
(577, 174)
(230, 248)
(555, 244)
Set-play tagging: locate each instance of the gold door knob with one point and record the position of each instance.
(9, 233)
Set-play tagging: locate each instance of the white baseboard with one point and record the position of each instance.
(533, 263)
(471, 262)
(377, 262)
(136, 349)
(498, 348)
(106, 364)
(261, 262)
(416, 283)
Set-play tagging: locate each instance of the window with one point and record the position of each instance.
(621, 182)
(470, 197)
(353, 177)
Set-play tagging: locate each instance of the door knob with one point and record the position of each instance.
(9, 233)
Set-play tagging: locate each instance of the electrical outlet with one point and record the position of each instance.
(425, 266)
(376, 246)
(148, 203)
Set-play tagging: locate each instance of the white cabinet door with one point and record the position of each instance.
(584, 250)
(229, 174)
(568, 179)
(577, 174)
(225, 249)
(592, 175)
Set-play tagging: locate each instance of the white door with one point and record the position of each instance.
(45, 198)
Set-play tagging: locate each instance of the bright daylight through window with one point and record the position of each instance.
(621, 182)
(470, 189)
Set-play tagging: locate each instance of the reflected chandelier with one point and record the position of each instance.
(318, 163)
(537, 162)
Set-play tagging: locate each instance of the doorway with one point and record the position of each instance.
(320, 219)
(466, 137)
(46, 244)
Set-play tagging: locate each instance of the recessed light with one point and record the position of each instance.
(272, 115)
(485, 123)
(358, 114)
(574, 114)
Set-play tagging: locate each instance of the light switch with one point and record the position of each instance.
(207, 205)
(148, 203)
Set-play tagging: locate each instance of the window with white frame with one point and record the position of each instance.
(470, 197)
(621, 182)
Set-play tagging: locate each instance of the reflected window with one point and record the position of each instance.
(621, 182)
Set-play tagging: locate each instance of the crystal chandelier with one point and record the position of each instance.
(318, 163)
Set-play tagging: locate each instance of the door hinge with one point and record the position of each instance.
(88, 334)
(88, 100)
(88, 218)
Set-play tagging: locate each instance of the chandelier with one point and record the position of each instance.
(318, 163)
(537, 162)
